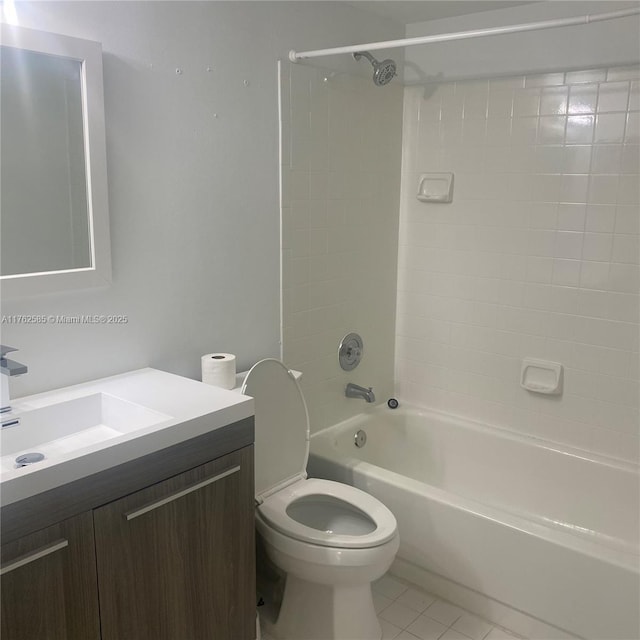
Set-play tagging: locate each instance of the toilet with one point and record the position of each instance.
(330, 539)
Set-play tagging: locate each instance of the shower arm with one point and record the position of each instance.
(295, 56)
(367, 55)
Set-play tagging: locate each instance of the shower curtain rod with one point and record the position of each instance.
(295, 56)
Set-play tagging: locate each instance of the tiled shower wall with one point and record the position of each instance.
(341, 157)
(537, 255)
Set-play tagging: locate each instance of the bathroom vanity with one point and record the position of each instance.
(158, 545)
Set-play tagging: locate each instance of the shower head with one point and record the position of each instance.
(383, 72)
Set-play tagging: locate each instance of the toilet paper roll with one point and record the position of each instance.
(219, 370)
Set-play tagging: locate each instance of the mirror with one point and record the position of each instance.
(54, 232)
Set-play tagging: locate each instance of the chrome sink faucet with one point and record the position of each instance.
(8, 368)
(356, 391)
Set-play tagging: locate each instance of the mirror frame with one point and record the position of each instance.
(89, 54)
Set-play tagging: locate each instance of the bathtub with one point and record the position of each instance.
(550, 532)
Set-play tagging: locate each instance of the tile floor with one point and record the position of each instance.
(407, 613)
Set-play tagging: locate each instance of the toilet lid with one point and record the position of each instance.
(281, 426)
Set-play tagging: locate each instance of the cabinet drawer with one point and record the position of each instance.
(48, 583)
(176, 560)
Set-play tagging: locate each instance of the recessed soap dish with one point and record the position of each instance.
(435, 187)
(541, 376)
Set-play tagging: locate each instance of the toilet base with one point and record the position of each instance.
(313, 611)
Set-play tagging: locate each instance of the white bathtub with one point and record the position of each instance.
(551, 532)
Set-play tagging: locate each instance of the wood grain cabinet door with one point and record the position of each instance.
(176, 561)
(48, 584)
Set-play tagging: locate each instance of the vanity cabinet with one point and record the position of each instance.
(161, 548)
(49, 584)
(175, 560)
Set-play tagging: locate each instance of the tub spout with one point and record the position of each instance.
(356, 391)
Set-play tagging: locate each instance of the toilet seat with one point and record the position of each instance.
(376, 523)
(315, 554)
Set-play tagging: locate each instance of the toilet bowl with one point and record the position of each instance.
(330, 539)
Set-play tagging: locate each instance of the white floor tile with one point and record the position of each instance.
(390, 587)
(472, 626)
(405, 635)
(426, 628)
(380, 601)
(444, 612)
(450, 634)
(417, 600)
(399, 615)
(500, 634)
(389, 631)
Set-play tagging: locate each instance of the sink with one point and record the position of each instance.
(97, 425)
(64, 427)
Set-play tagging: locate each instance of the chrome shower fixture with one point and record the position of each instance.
(383, 72)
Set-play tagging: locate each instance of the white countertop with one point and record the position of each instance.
(190, 409)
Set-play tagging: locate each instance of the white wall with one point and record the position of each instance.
(599, 44)
(537, 255)
(342, 140)
(194, 198)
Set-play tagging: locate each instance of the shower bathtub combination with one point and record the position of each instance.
(532, 535)
(539, 535)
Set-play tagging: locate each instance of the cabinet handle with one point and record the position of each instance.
(130, 515)
(36, 555)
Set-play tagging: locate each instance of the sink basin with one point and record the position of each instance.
(97, 425)
(58, 429)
